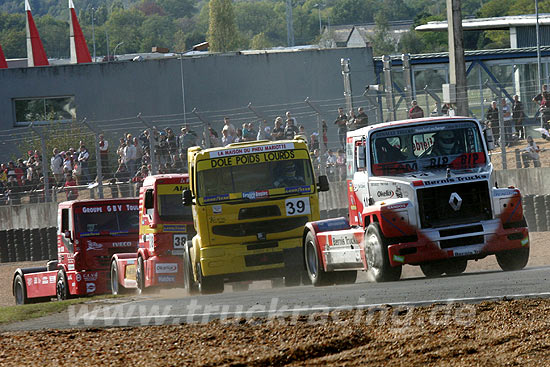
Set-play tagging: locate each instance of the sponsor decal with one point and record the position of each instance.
(70, 266)
(252, 158)
(45, 280)
(36, 280)
(298, 189)
(96, 209)
(466, 252)
(29, 281)
(455, 179)
(78, 277)
(385, 194)
(69, 277)
(525, 241)
(504, 192)
(92, 246)
(398, 192)
(210, 199)
(332, 225)
(52, 278)
(398, 258)
(248, 150)
(90, 287)
(166, 279)
(216, 209)
(167, 268)
(90, 277)
(122, 244)
(297, 206)
(174, 228)
(397, 206)
(130, 262)
(344, 240)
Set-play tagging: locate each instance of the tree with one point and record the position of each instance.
(382, 43)
(260, 42)
(222, 32)
(410, 43)
(178, 8)
(125, 26)
(55, 36)
(157, 31)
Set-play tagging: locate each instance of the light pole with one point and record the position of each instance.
(93, 30)
(114, 52)
(182, 86)
(318, 6)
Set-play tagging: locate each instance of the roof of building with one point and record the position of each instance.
(490, 23)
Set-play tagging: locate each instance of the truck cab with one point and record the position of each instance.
(89, 232)
(165, 225)
(420, 192)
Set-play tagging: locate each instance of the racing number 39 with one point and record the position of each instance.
(297, 206)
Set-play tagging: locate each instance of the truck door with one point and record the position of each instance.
(66, 229)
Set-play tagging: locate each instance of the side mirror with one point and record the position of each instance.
(322, 184)
(149, 200)
(489, 139)
(187, 197)
(361, 157)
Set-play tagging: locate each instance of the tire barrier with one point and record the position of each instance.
(11, 247)
(36, 245)
(44, 243)
(529, 211)
(52, 243)
(27, 248)
(3, 247)
(19, 246)
(540, 213)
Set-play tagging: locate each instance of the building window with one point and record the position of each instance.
(44, 110)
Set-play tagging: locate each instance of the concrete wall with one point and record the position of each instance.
(28, 216)
(534, 181)
(109, 91)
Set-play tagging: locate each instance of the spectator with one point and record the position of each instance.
(70, 190)
(518, 115)
(104, 156)
(446, 110)
(351, 120)
(213, 136)
(290, 129)
(129, 157)
(341, 123)
(314, 141)
(179, 164)
(122, 174)
(264, 131)
(120, 149)
(14, 173)
(362, 119)
(341, 164)
(507, 119)
(543, 99)
(227, 125)
(227, 138)
(325, 132)
(172, 141)
(239, 136)
(278, 130)
(331, 165)
(491, 116)
(56, 166)
(83, 157)
(188, 139)
(302, 131)
(251, 132)
(139, 177)
(162, 150)
(530, 153)
(139, 152)
(289, 116)
(144, 140)
(415, 111)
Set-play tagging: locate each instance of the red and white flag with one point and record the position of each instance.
(36, 56)
(3, 63)
(79, 49)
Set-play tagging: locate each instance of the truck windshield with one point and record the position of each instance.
(256, 179)
(171, 208)
(455, 145)
(110, 223)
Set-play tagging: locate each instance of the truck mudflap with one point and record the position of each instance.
(38, 282)
(342, 249)
(83, 283)
(164, 271)
(472, 241)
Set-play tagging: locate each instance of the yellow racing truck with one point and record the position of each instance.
(250, 202)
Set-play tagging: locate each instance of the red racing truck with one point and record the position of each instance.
(89, 232)
(420, 192)
(165, 225)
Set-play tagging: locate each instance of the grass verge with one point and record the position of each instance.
(31, 311)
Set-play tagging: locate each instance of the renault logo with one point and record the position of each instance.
(455, 201)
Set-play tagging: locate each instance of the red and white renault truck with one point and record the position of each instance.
(165, 226)
(420, 192)
(89, 232)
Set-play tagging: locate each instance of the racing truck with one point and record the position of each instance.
(89, 232)
(250, 203)
(420, 192)
(165, 225)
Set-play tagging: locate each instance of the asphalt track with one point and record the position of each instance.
(176, 307)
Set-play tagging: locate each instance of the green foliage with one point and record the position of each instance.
(222, 31)
(157, 31)
(260, 42)
(55, 36)
(178, 8)
(125, 26)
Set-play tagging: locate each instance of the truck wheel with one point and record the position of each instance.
(456, 266)
(20, 291)
(188, 277)
(209, 285)
(315, 271)
(61, 286)
(116, 287)
(513, 259)
(433, 269)
(376, 249)
(345, 277)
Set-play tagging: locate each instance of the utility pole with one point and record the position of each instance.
(457, 64)
(289, 27)
(346, 70)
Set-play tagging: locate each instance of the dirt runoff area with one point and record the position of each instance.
(508, 332)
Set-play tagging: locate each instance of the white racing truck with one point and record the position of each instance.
(420, 192)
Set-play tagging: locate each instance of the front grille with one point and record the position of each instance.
(435, 210)
(259, 212)
(264, 259)
(464, 241)
(460, 230)
(264, 226)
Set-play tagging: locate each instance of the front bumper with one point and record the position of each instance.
(477, 241)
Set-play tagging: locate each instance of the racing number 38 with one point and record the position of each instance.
(297, 206)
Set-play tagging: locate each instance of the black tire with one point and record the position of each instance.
(318, 276)
(456, 266)
(293, 278)
(19, 245)
(11, 245)
(116, 287)
(513, 259)
(433, 269)
(376, 251)
(20, 290)
(62, 286)
(27, 245)
(210, 284)
(188, 278)
(345, 277)
(3, 247)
